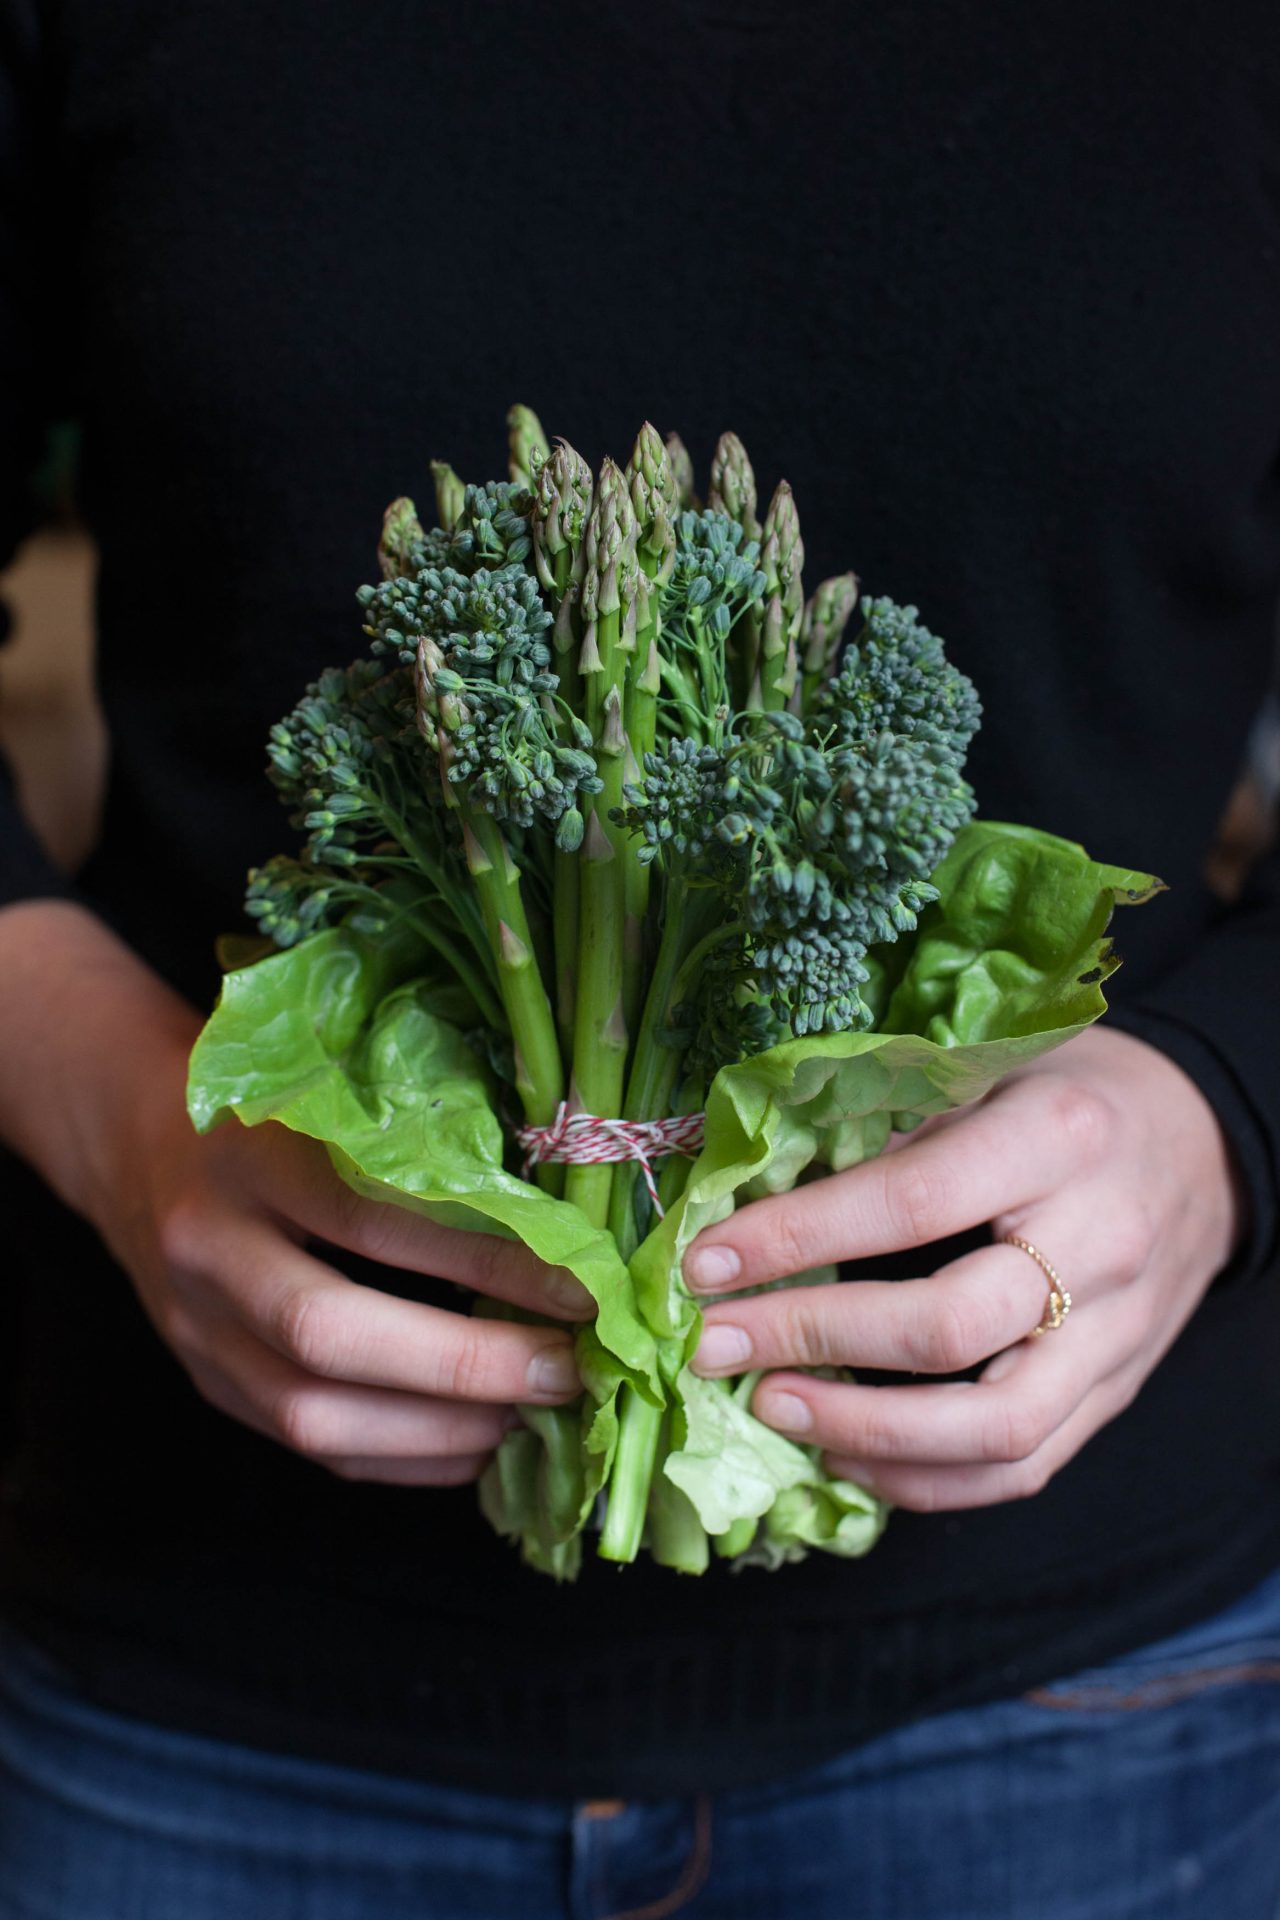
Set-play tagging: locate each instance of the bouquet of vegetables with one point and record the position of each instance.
(634, 886)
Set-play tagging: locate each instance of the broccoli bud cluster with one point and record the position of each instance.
(820, 830)
(795, 791)
(330, 759)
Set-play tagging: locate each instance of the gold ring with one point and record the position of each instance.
(1059, 1302)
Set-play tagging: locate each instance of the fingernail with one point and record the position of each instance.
(566, 1294)
(553, 1371)
(709, 1267)
(786, 1411)
(723, 1347)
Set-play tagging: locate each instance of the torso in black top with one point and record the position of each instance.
(998, 289)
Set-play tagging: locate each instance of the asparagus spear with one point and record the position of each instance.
(600, 1028)
(401, 528)
(682, 470)
(654, 498)
(826, 616)
(733, 484)
(450, 494)
(775, 627)
(526, 446)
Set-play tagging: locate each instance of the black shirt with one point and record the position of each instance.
(998, 289)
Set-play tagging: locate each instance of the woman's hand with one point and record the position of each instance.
(213, 1232)
(1105, 1156)
(369, 1385)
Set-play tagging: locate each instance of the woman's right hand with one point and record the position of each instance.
(213, 1232)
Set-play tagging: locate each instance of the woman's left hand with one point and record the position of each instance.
(1105, 1156)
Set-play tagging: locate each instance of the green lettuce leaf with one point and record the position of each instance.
(1008, 964)
(321, 1039)
(350, 1039)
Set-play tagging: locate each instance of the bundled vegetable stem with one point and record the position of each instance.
(614, 825)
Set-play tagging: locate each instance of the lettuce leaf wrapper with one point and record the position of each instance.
(330, 1039)
(348, 1038)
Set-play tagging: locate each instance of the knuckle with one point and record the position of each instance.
(488, 1264)
(1128, 1244)
(306, 1328)
(1123, 1394)
(297, 1421)
(788, 1249)
(915, 1199)
(807, 1334)
(1030, 1478)
(916, 1492)
(944, 1336)
(928, 1495)
(1081, 1115)
(1143, 1324)
(210, 1385)
(1012, 1432)
(877, 1440)
(465, 1372)
(370, 1229)
(182, 1235)
(177, 1327)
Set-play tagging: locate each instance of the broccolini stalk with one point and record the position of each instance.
(826, 616)
(442, 716)
(738, 1538)
(527, 446)
(689, 915)
(600, 1030)
(677, 1538)
(562, 504)
(336, 762)
(631, 1476)
(450, 494)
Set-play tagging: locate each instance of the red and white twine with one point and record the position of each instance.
(585, 1140)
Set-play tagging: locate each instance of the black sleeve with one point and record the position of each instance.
(1217, 1014)
(31, 351)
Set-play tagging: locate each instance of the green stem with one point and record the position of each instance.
(565, 920)
(639, 1428)
(487, 1003)
(643, 687)
(655, 1066)
(600, 1025)
(539, 1071)
(677, 1538)
(735, 1540)
(565, 868)
(470, 918)
(674, 1177)
(599, 1032)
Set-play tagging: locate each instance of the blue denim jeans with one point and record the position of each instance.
(1148, 1788)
